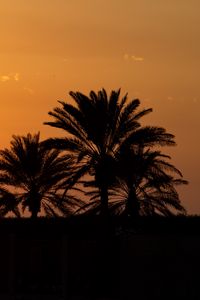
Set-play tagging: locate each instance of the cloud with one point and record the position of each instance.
(133, 57)
(137, 58)
(11, 76)
(16, 76)
(4, 78)
(29, 90)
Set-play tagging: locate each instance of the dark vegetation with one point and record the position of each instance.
(122, 231)
(107, 164)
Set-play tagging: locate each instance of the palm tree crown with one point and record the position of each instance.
(98, 127)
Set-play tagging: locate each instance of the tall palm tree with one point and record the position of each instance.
(96, 127)
(32, 176)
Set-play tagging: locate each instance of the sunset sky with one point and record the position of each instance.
(150, 49)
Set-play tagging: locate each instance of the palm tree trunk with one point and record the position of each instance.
(34, 214)
(132, 204)
(104, 200)
(34, 206)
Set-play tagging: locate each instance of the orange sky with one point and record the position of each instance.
(149, 48)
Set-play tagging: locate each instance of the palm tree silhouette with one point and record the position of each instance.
(32, 176)
(97, 127)
(145, 185)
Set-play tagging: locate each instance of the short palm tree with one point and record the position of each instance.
(32, 176)
(96, 127)
(145, 185)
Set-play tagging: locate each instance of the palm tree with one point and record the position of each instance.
(145, 185)
(32, 177)
(96, 127)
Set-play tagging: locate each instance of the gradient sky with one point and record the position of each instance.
(151, 49)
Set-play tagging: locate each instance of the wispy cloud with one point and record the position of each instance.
(16, 76)
(10, 76)
(4, 78)
(137, 58)
(29, 90)
(133, 57)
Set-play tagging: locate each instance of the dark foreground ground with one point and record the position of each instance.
(81, 258)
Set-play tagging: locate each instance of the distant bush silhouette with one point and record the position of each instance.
(103, 135)
(33, 177)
